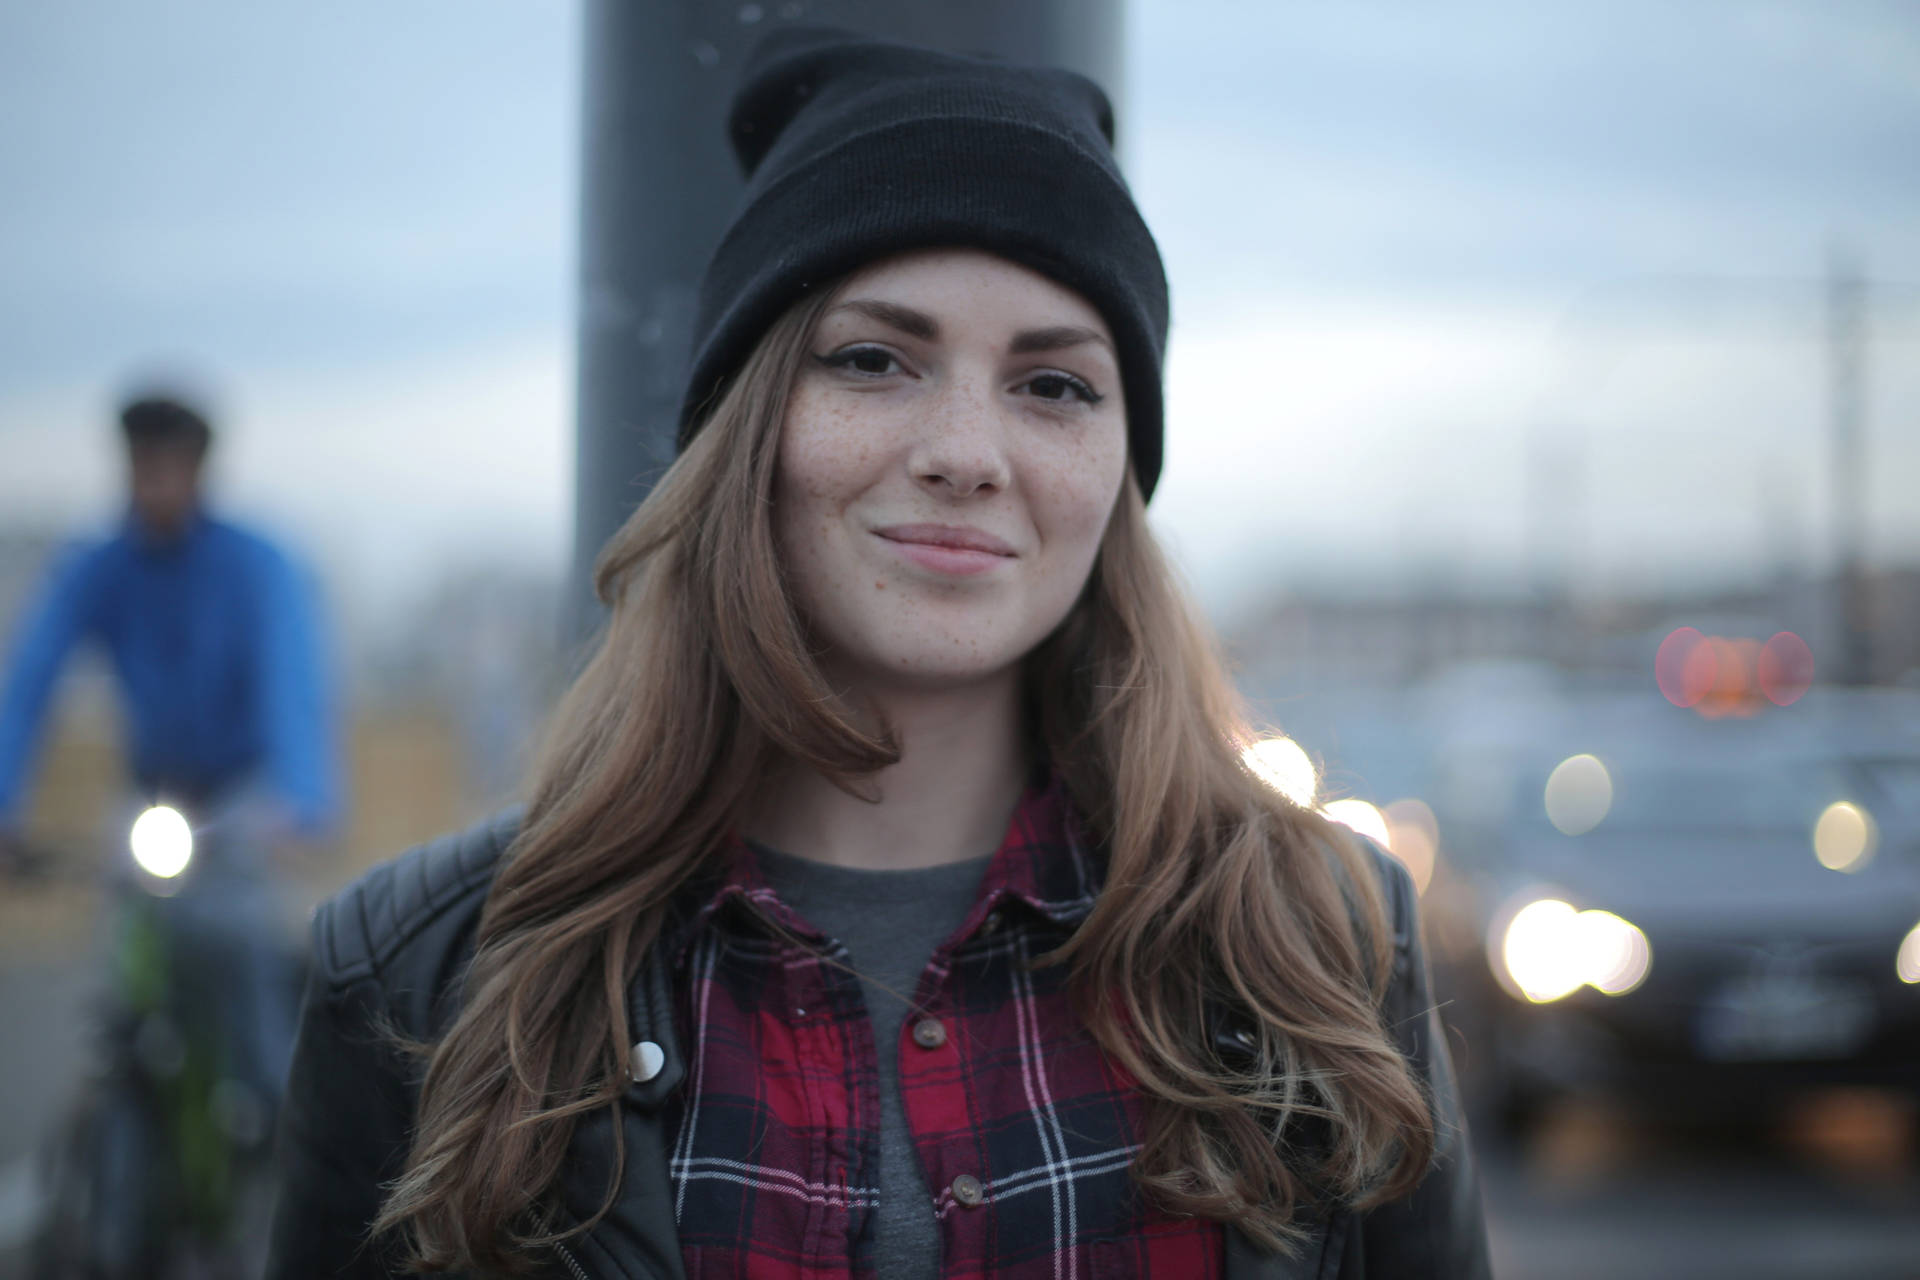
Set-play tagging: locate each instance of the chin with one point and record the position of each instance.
(922, 641)
(943, 662)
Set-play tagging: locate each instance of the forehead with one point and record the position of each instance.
(972, 284)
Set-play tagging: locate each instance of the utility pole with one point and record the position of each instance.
(659, 184)
(1846, 354)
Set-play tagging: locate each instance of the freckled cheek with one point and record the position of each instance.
(813, 536)
(810, 472)
(1069, 510)
(828, 453)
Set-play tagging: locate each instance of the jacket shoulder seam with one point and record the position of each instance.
(472, 856)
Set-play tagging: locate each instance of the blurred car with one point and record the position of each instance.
(1699, 932)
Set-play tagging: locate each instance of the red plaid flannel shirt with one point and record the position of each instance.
(1024, 1127)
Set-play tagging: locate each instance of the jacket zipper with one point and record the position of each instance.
(573, 1268)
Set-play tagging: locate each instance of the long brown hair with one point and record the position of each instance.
(1221, 895)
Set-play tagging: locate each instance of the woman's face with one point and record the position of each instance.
(952, 450)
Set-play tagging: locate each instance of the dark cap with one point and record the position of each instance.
(855, 149)
(156, 419)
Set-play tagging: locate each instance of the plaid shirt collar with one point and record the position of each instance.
(1027, 872)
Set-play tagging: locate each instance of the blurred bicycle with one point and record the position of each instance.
(161, 1167)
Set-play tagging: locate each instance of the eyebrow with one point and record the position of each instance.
(918, 324)
(1057, 338)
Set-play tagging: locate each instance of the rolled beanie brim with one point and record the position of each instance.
(1014, 187)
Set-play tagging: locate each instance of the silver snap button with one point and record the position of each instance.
(991, 923)
(967, 1190)
(929, 1033)
(646, 1060)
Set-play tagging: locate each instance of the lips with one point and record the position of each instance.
(952, 537)
(947, 550)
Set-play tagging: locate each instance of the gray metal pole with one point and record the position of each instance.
(659, 183)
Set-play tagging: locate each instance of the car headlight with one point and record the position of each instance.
(1907, 962)
(1550, 950)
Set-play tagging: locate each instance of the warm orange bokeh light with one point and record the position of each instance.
(1670, 666)
(1731, 687)
(1415, 838)
(1785, 668)
(1701, 672)
(1717, 676)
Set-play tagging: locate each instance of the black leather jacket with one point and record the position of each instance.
(389, 950)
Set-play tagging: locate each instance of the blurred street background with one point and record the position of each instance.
(1543, 435)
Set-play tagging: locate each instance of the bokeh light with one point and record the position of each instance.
(1579, 793)
(1718, 676)
(1617, 954)
(1283, 764)
(1907, 963)
(1784, 668)
(1415, 838)
(1703, 673)
(1672, 662)
(1726, 669)
(1536, 954)
(162, 842)
(1844, 838)
(1358, 815)
(1550, 950)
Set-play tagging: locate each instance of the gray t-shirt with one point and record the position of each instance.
(889, 922)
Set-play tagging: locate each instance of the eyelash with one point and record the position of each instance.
(843, 359)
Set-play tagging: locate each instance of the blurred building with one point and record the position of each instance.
(1302, 639)
(1388, 639)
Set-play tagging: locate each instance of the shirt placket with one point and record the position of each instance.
(940, 1116)
(821, 1003)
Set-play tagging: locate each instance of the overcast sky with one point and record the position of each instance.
(1420, 256)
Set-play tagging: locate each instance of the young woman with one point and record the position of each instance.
(891, 899)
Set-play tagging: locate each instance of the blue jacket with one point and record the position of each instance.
(217, 649)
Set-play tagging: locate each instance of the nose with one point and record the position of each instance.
(962, 446)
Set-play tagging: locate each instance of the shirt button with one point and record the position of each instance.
(991, 923)
(967, 1190)
(929, 1033)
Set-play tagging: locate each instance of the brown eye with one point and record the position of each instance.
(1059, 387)
(871, 361)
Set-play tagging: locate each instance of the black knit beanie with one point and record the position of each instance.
(855, 149)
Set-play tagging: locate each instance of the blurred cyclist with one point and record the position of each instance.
(214, 641)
